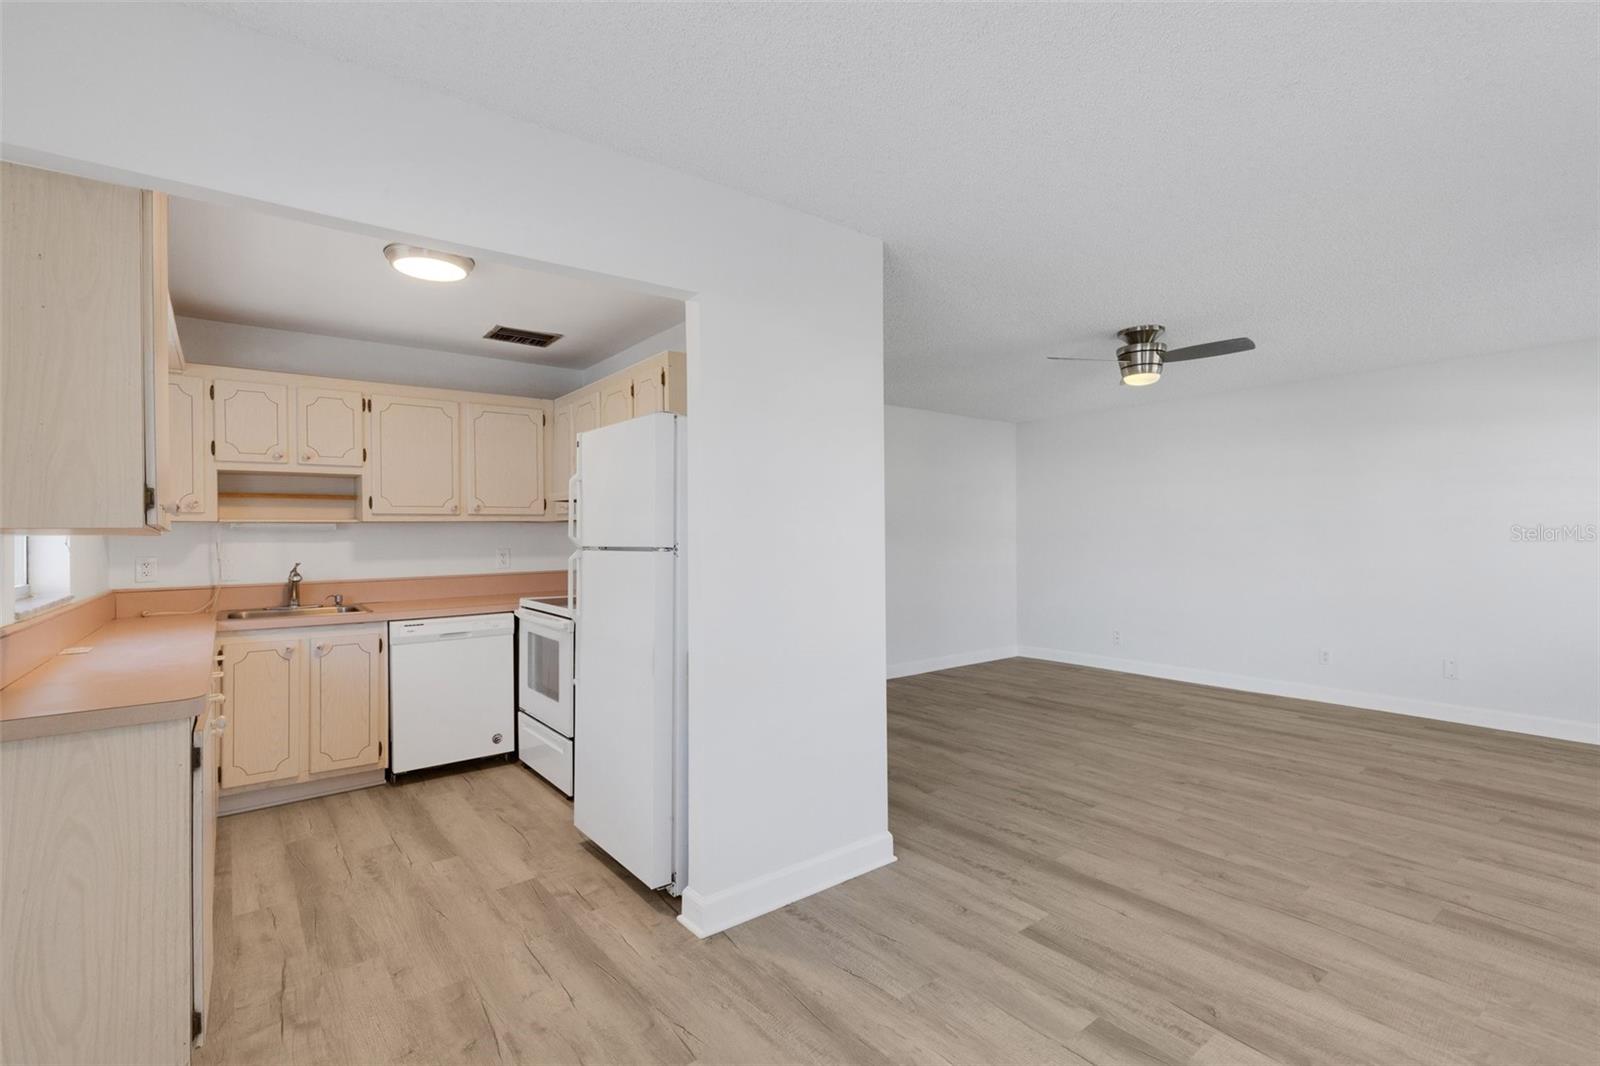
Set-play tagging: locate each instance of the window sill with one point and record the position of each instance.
(38, 603)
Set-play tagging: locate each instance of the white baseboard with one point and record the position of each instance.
(705, 914)
(945, 662)
(1510, 721)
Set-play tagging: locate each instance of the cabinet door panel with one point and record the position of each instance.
(649, 387)
(251, 419)
(349, 702)
(329, 428)
(416, 456)
(504, 460)
(561, 440)
(265, 686)
(616, 400)
(191, 487)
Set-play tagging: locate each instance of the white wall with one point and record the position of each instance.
(951, 488)
(671, 339)
(1230, 538)
(787, 765)
(355, 550)
(228, 344)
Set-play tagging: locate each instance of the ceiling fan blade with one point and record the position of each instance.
(1076, 359)
(1206, 351)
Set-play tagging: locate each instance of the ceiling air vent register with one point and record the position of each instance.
(531, 337)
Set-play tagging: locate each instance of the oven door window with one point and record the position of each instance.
(544, 665)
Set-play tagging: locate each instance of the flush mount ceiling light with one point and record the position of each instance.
(1142, 357)
(426, 264)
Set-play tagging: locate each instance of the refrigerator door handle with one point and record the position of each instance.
(574, 530)
(572, 583)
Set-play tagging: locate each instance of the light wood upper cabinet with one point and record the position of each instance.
(265, 684)
(83, 354)
(328, 424)
(189, 446)
(649, 384)
(504, 459)
(616, 399)
(562, 438)
(251, 421)
(349, 719)
(416, 456)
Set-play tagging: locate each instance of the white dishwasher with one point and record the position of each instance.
(452, 691)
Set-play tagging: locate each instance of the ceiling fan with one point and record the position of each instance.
(1142, 357)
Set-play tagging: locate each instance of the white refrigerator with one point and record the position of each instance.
(630, 675)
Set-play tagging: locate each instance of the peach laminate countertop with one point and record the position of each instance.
(150, 669)
(135, 671)
(393, 610)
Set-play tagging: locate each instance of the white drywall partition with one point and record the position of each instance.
(952, 539)
(1412, 523)
(787, 747)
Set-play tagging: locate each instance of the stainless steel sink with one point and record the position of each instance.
(292, 612)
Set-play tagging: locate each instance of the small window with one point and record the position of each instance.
(43, 574)
(19, 566)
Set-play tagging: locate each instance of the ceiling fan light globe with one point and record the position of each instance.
(1140, 374)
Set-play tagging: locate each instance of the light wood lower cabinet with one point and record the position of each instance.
(304, 703)
(349, 702)
(96, 895)
(264, 681)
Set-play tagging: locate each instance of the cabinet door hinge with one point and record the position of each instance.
(663, 375)
(380, 644)
(212, 389)
(380, 749)
(195, 759)
(630, 390)
(149, 497)
(213, 448)
(219, 775)
(363, 455)
(369, 503)
(196, 1025)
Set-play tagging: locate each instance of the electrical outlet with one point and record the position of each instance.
(1324, 656)
(144, 570)
(502, 558)
(1116, 637)
(1450, 671)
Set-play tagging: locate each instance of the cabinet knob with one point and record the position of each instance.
(277, 453)
(455, 508)
(305, 457)
(287, 651)
(476, 508)
(322, 649)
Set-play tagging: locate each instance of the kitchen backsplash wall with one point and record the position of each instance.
(184, 556)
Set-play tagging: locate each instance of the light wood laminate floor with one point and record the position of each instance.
(1093, 867)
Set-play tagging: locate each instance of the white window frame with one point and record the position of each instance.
(20, 586)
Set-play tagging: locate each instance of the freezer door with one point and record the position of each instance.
(622, 780)
(627, 484)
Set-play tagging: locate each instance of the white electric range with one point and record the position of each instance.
(546, 647)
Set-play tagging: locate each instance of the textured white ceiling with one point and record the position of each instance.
(231, 264)
(1354, 186)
